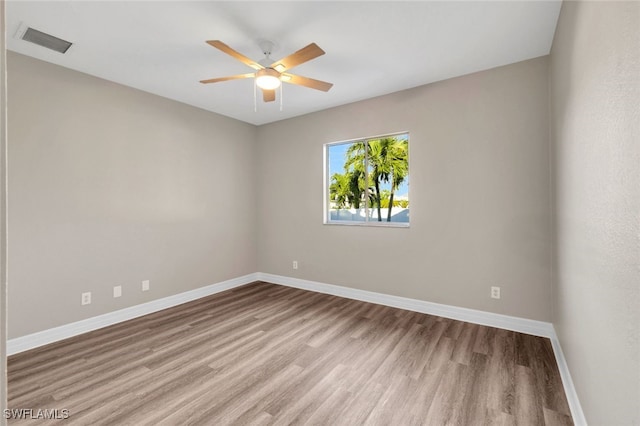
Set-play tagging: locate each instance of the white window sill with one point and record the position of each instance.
(373, 224)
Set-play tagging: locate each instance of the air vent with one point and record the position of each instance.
(46, 40)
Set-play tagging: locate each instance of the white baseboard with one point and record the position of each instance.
(522, 325)
(537, 328)
(567, 382)
(51, 335)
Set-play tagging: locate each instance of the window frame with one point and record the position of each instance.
(326, 184)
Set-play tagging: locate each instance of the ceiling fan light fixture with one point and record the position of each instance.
(268, 79)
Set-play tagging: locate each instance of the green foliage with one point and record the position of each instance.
(386, 199)
(339, 191)
(374, 162)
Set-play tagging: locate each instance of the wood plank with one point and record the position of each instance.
(464, 344)
(527, 406)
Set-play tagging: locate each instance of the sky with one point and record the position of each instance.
(337, 155)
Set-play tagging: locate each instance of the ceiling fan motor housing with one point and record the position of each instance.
(267, 46)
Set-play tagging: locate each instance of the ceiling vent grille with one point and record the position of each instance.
(46, 40)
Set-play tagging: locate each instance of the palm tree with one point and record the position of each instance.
(389, 162)
(395, 165)
(355, 167)
(339, 190)
(377, 169)
(375, 162)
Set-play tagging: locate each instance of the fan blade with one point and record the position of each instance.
(239, 56)
(306, 82)
(268, 95)
(301, 56)
(231, 77)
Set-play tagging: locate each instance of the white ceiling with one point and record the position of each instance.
(373, 48)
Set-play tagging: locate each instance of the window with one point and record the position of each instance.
(367, 181)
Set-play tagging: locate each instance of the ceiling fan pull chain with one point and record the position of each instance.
(281, 96)
(255, 101)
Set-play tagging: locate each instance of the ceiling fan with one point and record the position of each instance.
(269, 75)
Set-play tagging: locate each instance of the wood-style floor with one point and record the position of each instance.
(267, 354)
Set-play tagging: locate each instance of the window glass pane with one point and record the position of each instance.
(388, 171)
(347, 183)
(368, 180)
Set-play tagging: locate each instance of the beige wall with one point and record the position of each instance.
(480, 195)
(595, 86)
(111, 186)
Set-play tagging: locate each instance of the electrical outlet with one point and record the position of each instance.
(295, 264)
(495, 292)
(145, 285)
(86, 298)
(117, 291)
